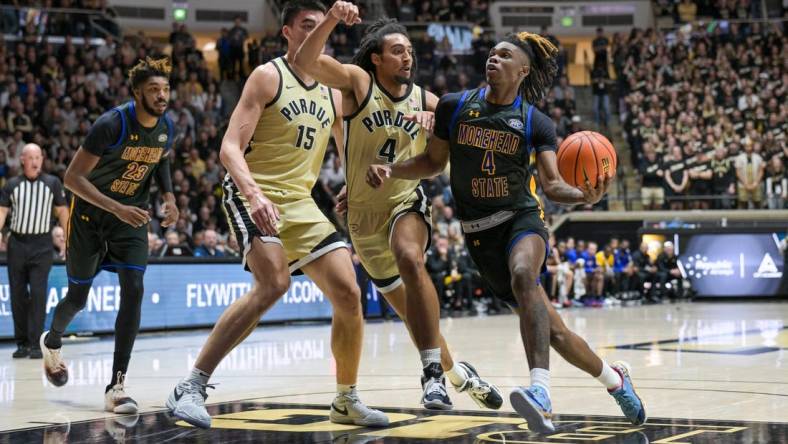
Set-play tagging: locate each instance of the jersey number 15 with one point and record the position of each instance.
(306, 137)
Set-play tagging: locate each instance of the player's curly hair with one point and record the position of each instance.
(145, 69)
(372, 43)
(542, 56)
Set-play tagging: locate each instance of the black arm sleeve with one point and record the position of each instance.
(104, 133)
(443, 114)
(5, 194)
(163, 175)
(542, 132)
(58, 194)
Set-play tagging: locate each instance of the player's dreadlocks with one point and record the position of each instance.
(372, 43)
(145, 69)
(542, 57)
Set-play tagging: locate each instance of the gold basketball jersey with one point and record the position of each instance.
(287, 149)
(378, 133)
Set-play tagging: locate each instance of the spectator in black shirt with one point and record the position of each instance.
(776, 184)
(668, 271)
(405, 11)
(652, 178)
(223, 48)
(701, 177)
(174, 247)
(600, 80)
(600, 44)
(439, 265)
(562, 123)
(237, 36)
(723, 183)
(470, 277)
(443, 11)
(676, 179)
(645, 270)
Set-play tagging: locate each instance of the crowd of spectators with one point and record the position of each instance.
(29, 18)
(473, 11)
(687, 11)
(704, 112)
(580, 273)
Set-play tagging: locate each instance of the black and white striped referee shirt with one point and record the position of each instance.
(31, 202)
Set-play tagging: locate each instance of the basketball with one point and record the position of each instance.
(586, 154)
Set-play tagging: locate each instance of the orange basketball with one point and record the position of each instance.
(586, 154)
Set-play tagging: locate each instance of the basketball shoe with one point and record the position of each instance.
(54, 367)
(625, 396)
(187, 402)
(435, 396)
(533, 404)
(482, 392)
(347, 408)
(116, 400)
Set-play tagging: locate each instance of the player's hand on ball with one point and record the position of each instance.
(377, 174)
(134, 216)
(593, 195)
(345, 12)
(171, 213)
(424, 118)
(264, 214)
(341, 206)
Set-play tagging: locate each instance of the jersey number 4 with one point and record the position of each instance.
(306, 137)
(388, 151)
(488, 162)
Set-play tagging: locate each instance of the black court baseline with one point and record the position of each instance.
(246, 422)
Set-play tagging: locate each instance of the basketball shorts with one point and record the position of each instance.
(98, 240)
(745, 195)
(490, 244)
(304, 231)
(651, 195)
(370, 232)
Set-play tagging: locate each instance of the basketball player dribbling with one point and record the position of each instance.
(273, 151)
(493, 137)
(390, 229)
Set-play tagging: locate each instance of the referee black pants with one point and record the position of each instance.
(29, 261)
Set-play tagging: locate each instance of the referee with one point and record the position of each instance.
(30, 197)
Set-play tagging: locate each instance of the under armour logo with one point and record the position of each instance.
(474, 113)
(85, 218)
(476, 242)
(134, 137)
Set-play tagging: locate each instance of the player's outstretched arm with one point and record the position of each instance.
(325, 69)
(259, 90)
(427, 164)
(76, 180)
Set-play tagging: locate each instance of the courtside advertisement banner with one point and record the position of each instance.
(727, 264)
(176, 295)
